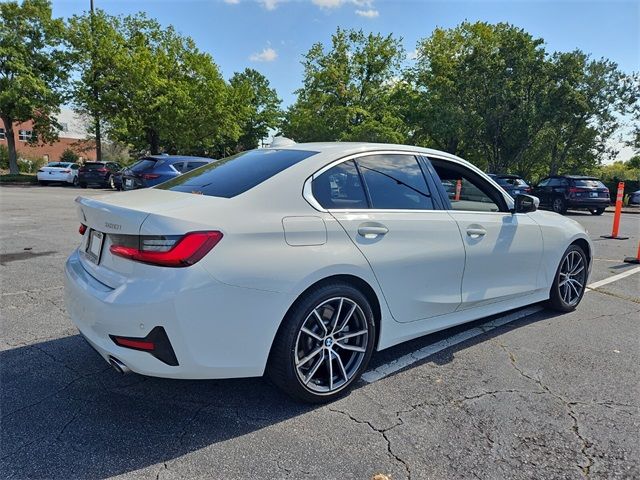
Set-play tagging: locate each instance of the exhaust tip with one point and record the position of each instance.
(118, 366)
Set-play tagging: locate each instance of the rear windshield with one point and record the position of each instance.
(235, 175)
(93, 165)
(143, 164)
(589, 183)
(516, 182)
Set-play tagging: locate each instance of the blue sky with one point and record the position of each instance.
(272, 35)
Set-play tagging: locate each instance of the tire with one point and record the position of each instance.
(596, 211)
(83, 185)
(559, 299)
(75, 182)
(112, 183)
(346, 364)
(43, 183)
(559, 205)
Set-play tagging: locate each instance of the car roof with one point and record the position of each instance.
(575, 177)
(504, 175)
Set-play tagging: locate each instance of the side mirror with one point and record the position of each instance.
(526, 204)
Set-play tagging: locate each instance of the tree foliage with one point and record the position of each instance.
(33, 70)
(347, 90)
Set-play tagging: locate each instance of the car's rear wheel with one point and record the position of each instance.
(83, 185)
(571, 280)
(324, 343)
(75, 181)
(559, 205)
(596, 211)
(112, 183)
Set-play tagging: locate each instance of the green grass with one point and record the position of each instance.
(19, 178)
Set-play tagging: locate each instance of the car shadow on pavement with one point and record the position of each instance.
(66, 414)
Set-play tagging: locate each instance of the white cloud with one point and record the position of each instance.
(267, 54)
(328, 3)
(232, 2)
(370, 13)
(413, 55)
(270, 4)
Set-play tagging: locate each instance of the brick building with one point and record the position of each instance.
(73, 135)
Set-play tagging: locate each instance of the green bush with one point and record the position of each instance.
(4, 157)
(29, 163)
(69, 156)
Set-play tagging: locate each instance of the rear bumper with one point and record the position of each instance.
(588, 203)
(46, 177)
(215, 330)
(92, 179)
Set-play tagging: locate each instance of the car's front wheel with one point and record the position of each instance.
(571, 280)
(324, 343)
(559, 205)
(76, 182)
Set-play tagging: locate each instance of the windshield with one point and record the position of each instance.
(234, 175)
(143, 164)
(516, 182)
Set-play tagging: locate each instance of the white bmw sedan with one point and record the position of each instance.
(301, 261)
(65, 172)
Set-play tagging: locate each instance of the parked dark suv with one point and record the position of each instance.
(512, 184)
(561, 192)
(97, 173)
(155, 169)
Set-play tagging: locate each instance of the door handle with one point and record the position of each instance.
(476, 232)
(371, 230)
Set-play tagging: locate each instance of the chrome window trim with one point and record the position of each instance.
(307, 191)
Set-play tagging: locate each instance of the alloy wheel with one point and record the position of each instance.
(557, 205)
(572, 278)
(112, 184)
(331, 345)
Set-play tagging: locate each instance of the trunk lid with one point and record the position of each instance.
(122, 215)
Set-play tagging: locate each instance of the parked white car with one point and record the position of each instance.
(65, 172)
(300, 261)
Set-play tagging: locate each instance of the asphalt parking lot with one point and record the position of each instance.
(544, 396)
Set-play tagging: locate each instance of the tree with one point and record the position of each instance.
(252, 90)
(69, 155)
(346, 92)
(33, 71)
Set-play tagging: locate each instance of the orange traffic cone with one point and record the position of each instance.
(635, 259)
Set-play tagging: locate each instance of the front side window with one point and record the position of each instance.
(468, 192)
(340, 187)
(395, 181)
(193, 165)
(2, 134)
(234, 175)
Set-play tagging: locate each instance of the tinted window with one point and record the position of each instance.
(544, 182)
(340, 187)
(179, 166)
(74, 166)
(235, 175)
(555, 182)
(93, 165)
(470, 192)
(192, 165)
(395, 182)
(589, 183)
(510, 181)
(143, 164)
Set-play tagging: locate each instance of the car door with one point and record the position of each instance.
(385, 204)
(541, 192)
(503, 249)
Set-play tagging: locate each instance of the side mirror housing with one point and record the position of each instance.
(526, 204)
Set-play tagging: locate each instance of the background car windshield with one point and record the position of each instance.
(93, 165)
(516, 182)
(236, 174)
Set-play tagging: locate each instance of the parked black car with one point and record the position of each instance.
(97, 173)
(561, 192)
(513, 184)
(155, 169)
(634, 198)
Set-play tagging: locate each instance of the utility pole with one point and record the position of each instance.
(96, 114)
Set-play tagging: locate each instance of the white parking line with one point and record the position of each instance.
(413, 357)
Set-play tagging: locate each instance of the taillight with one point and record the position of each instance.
(164, 252)
(82, 229)
(102, 170)
(134, 343)
(66, 171)
(150, 176)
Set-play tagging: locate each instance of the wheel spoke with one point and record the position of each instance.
(577, 269)
(311, 334)
(314, 369)
(336, 317)
(351, 335)
(341, 365)
(353, 348)
(330, 364)
(320, 321)
(347, 318)
(309, 357)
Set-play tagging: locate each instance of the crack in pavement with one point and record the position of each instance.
(383, 432)
(615, 295)
(585, 444)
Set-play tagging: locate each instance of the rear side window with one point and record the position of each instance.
(589, 183)
(193, 165)
(235, 175)
(515, 182)
(395, 182)
(340, 187)
(143, 164)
